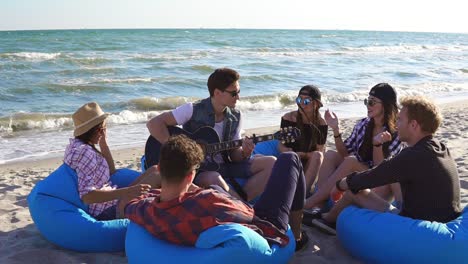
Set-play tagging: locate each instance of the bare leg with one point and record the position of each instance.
(312, 168)
(396, 191)
(261, 170)
(332, 159)
(295, 220)
(365, 199)
(385, 192)
(151, 176)
(207, 178)
(349, 165)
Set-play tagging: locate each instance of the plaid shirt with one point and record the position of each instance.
(92, 170)
(355, 140)
(183, 219)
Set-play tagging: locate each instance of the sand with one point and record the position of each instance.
(20, 241)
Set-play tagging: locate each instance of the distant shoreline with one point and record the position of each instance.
(241, 29)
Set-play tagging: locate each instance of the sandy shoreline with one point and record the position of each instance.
(20, 242)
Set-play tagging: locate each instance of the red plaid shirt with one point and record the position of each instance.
(183, 219)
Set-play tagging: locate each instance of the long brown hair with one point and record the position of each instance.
(86, 137)
(305, 144)
(390, 116)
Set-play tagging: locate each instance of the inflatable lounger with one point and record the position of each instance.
(227, 244)
(63, 219)
(375, 237)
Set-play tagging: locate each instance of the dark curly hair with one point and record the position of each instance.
(179, 155)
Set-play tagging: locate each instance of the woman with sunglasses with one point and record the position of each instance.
(311, 144)
(373, 139)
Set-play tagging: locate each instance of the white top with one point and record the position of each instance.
(183, 113)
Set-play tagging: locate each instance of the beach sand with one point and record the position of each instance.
(20, 241)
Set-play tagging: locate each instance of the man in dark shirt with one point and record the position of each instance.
(425, 170)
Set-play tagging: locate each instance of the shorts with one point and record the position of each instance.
(109, 213)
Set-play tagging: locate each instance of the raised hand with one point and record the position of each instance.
(332, 120)
(382, 137)
(103, 136)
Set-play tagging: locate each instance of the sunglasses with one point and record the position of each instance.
(371, 102)
(304, 101)
(233, 93)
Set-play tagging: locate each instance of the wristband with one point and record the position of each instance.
(378, 145)
(339, 135)
(338, 186)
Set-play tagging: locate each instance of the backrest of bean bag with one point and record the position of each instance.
(233, 235)
(230, 243)
(124, 177)
(376, 237)
(267, 148)
(62, 218)
(70, 227)
(61, 184)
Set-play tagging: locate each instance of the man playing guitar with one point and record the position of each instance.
(218, 111)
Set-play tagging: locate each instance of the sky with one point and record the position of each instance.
(395, 15)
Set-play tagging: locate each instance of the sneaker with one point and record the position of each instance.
(327, 227)
(311, 214)
(302, 243)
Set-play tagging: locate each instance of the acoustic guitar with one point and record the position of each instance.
(209, 140)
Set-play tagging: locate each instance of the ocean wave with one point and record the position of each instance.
(307, 52)
(203, 68)
(139, 110)
(407, 74)
(74, 88)
(86, 61)
(88, 70)
(464, 70)
(404, 48)
(126, 80)
(22, 121)
(170, 56)
(31, 56)
(158, 104)
(261, 77)
(28, 121)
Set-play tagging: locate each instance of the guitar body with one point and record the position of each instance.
(208, 139)
(203, 136)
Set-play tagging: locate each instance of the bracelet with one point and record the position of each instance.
(378, 145)
(339, 135)
(337, 184)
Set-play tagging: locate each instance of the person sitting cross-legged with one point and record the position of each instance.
(180, 211)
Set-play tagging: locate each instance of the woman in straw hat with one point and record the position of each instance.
(94, 167)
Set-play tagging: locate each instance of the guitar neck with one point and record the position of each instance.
(227, 145)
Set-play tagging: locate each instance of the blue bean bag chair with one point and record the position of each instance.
(63, 219)
(375, 237)
(267, 148)
(229, 243)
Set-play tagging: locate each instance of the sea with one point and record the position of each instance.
(136, 74)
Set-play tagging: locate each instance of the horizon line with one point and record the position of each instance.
(215, 28)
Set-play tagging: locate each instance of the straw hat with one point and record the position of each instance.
(86, 117)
